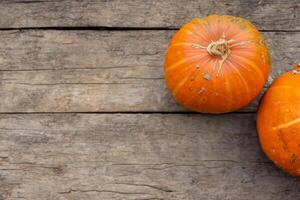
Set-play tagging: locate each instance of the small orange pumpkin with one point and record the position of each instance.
(278, 122)
(217, 64)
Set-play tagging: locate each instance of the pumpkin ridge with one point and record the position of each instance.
(286, 124)
(181, 44)
(240, 77)
(181, 83)
(174, 66)
(238, 44)
(197, 71)
(229, 93)
(196, 34)
(206, 26)
(191, 32)
(187, 67)
(186, 101)
(249, 63)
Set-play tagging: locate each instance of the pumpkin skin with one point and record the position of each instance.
(216, 64)
(278, 122)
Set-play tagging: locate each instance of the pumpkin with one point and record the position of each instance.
(278, 122)
(216, 64)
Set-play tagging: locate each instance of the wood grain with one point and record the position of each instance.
(55, 56)
(100, 71)
(136, 156)
(267, 14)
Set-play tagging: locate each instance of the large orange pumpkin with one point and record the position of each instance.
(278, 122)
(217, 64)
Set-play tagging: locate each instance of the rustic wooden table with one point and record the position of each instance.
(85, 113)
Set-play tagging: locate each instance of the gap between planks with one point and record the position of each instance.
(105, 28)
(133, 113)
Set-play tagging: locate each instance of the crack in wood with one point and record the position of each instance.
(160, 188)
(102, 191)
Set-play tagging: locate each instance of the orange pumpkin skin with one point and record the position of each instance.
(216, 64)
(278, 122)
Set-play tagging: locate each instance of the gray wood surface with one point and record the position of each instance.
(62, 57)
(136, 156)
(100, 71)
(266, 14)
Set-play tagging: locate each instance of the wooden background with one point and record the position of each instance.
(85, 114)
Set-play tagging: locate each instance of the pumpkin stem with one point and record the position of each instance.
(219, 48)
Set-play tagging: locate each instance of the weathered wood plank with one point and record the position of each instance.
(99, 71)
(267, 14)
(137, 156)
